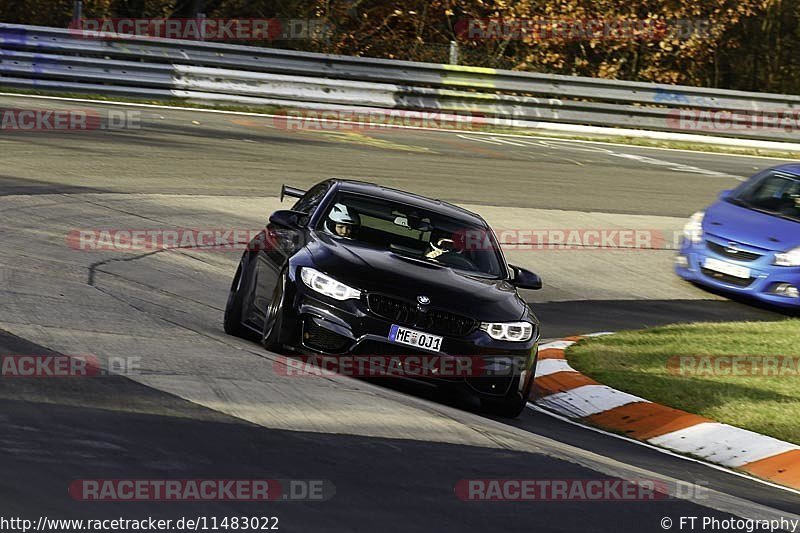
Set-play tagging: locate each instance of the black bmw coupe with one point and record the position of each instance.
(355, 269)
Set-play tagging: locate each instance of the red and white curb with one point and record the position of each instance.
(565, 391)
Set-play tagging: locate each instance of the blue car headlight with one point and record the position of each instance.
(324, 284)
(508, 331)
(788, 259)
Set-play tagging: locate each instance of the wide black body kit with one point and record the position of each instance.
(355, 269)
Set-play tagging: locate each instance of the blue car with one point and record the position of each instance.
(748, 242)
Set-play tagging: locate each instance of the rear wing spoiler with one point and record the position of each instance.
(292, 192)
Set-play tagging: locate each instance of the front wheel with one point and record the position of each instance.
(513, 403)
(274, 320)
(510, 406)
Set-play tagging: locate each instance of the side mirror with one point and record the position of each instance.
(725, 194)
(525, 279)
(287, 219)
(284, 231)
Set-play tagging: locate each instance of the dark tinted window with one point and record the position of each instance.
(775, 193)
(414, 232)
(312, 198)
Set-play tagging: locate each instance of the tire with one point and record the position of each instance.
(232, 323)
(274, 319)
(510, 406)
(513, 403)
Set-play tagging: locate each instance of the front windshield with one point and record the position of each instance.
(412, 232)
(776, 194)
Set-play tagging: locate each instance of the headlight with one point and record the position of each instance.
(326, 285)
(509, 331)
(788, 259)
(693, 229)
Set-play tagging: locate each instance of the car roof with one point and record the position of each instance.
(404, 197)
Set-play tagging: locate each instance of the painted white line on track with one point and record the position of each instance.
(547, 412)
(677, 167)
(560, 145)
(504, 141)
(487, 141)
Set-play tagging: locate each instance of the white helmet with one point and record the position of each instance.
(340, 214)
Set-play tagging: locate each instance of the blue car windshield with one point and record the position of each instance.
(776, 193)
(413, 232)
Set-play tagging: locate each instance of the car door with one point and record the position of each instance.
(272, 258)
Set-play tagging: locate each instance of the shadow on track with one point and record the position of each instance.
(60, 430)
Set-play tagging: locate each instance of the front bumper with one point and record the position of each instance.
(764, 279)
(348, 328)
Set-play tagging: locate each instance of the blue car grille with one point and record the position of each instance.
(739, 255)
(406, 313)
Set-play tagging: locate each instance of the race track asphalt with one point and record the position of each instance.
(204, 405)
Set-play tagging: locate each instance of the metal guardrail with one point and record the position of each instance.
(64, 59)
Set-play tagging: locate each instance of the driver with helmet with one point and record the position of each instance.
(342, 221)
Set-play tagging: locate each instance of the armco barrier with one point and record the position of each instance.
(63, 59)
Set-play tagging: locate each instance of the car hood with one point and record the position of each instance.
(739, 224)
(384, 271)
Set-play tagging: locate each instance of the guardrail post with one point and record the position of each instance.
(453, 53)
(77, 12)
(201, 23)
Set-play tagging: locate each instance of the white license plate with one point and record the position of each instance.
(412, 337)
(726, 268)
